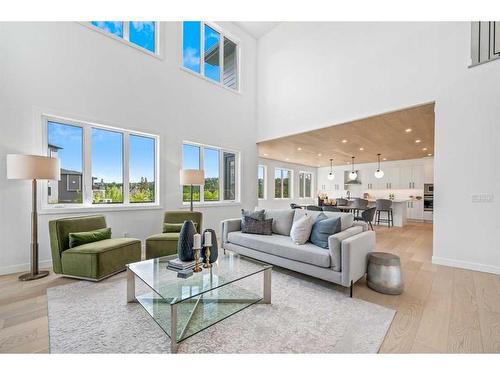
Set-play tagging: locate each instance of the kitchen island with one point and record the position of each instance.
(399, 210)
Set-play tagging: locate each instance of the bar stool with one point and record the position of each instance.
(360, 204)
(384, 205)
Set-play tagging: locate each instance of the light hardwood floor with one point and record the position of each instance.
(443, 309)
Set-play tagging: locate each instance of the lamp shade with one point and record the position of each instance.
(192, 177)
(32, 167)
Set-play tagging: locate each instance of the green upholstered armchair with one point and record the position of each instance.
(162, 244)
(91, 261)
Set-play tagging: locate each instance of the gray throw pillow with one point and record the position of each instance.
(323, 228)
(257, 214)
(254, 226)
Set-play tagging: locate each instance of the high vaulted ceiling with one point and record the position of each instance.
(398, 135)
(257, 29)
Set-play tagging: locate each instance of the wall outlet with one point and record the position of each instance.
(482, 198)
(125, 234)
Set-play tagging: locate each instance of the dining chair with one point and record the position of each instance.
(367, 216)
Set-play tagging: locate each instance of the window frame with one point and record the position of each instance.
(304, 186)
(87, 205)
(290, 188)
(201, 74)
(221, 150)
(158, 53)
(264, 167)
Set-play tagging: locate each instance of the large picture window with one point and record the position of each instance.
(143, 34)
(305, 185)
(221, 171)
(121, 168)
(206, 50)
(282, 183)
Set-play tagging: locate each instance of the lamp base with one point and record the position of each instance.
(30, 276)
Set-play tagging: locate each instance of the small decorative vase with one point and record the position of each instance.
(214, 253)
(185, 243)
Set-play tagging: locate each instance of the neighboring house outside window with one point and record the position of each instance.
(105, 178)
(305, 185)
(142, 34)
(282, 183)
(208, 51)
(221, 173)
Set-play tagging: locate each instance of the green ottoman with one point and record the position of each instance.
(92, 261)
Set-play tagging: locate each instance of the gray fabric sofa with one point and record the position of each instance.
(343, 263)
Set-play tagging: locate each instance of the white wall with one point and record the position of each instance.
(313, 75)
(66, 68)
(270, 201)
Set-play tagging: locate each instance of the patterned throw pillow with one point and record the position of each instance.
(255, 226)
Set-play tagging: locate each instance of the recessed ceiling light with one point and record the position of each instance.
(287, 159)
(299, 148)
(320, 154)
(361, 149)
(424, 149)
(344, 141)
(429, 154)
(266, 154)
(384, 159)
(417, 141)
(408, 130)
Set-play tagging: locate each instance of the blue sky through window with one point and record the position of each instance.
(70, 140)
(211, 163)
(191, 45)
(112, 27)
(107, 155)
(143, 34)
(212, 46)
(191, 159)
(141, 158)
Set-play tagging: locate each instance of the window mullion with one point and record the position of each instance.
(221, 59)
(202, 166)
(87, 165)
(202, 48)
(126, 171)
(221, 176)
(126, 30)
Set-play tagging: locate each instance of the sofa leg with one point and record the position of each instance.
(350, 289)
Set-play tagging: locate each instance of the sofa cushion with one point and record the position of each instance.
(301, 230)
(81, 238)
(346, 219)
(256, 226)
(282, 246)
(170, 236)
(99, 259)
(323, 228)
(282, 220)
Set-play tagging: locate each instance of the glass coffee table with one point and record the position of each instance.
(184, 307)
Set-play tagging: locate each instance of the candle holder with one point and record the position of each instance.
(207, 258)
(197, 267)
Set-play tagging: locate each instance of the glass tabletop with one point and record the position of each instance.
(229, 268)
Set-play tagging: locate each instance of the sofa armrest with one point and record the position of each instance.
(335, 244)
(361, 224)
(355, 252)
(228, 226)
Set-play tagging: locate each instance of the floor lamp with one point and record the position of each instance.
(33, 167)
(192, 177)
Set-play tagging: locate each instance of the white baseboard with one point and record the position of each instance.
(24, 267)
(466, 265)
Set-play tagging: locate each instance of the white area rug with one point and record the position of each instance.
(306, 316)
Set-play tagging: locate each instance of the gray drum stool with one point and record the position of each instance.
(384, 273)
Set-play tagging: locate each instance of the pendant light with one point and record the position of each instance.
(353, 175)
(331, 175)
(379, 173)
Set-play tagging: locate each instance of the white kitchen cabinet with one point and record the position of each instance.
(429, 172)
(368, 178)
(411, 177)
(415, 210)
(390, 180)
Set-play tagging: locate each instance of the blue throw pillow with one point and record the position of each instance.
(324, 228)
